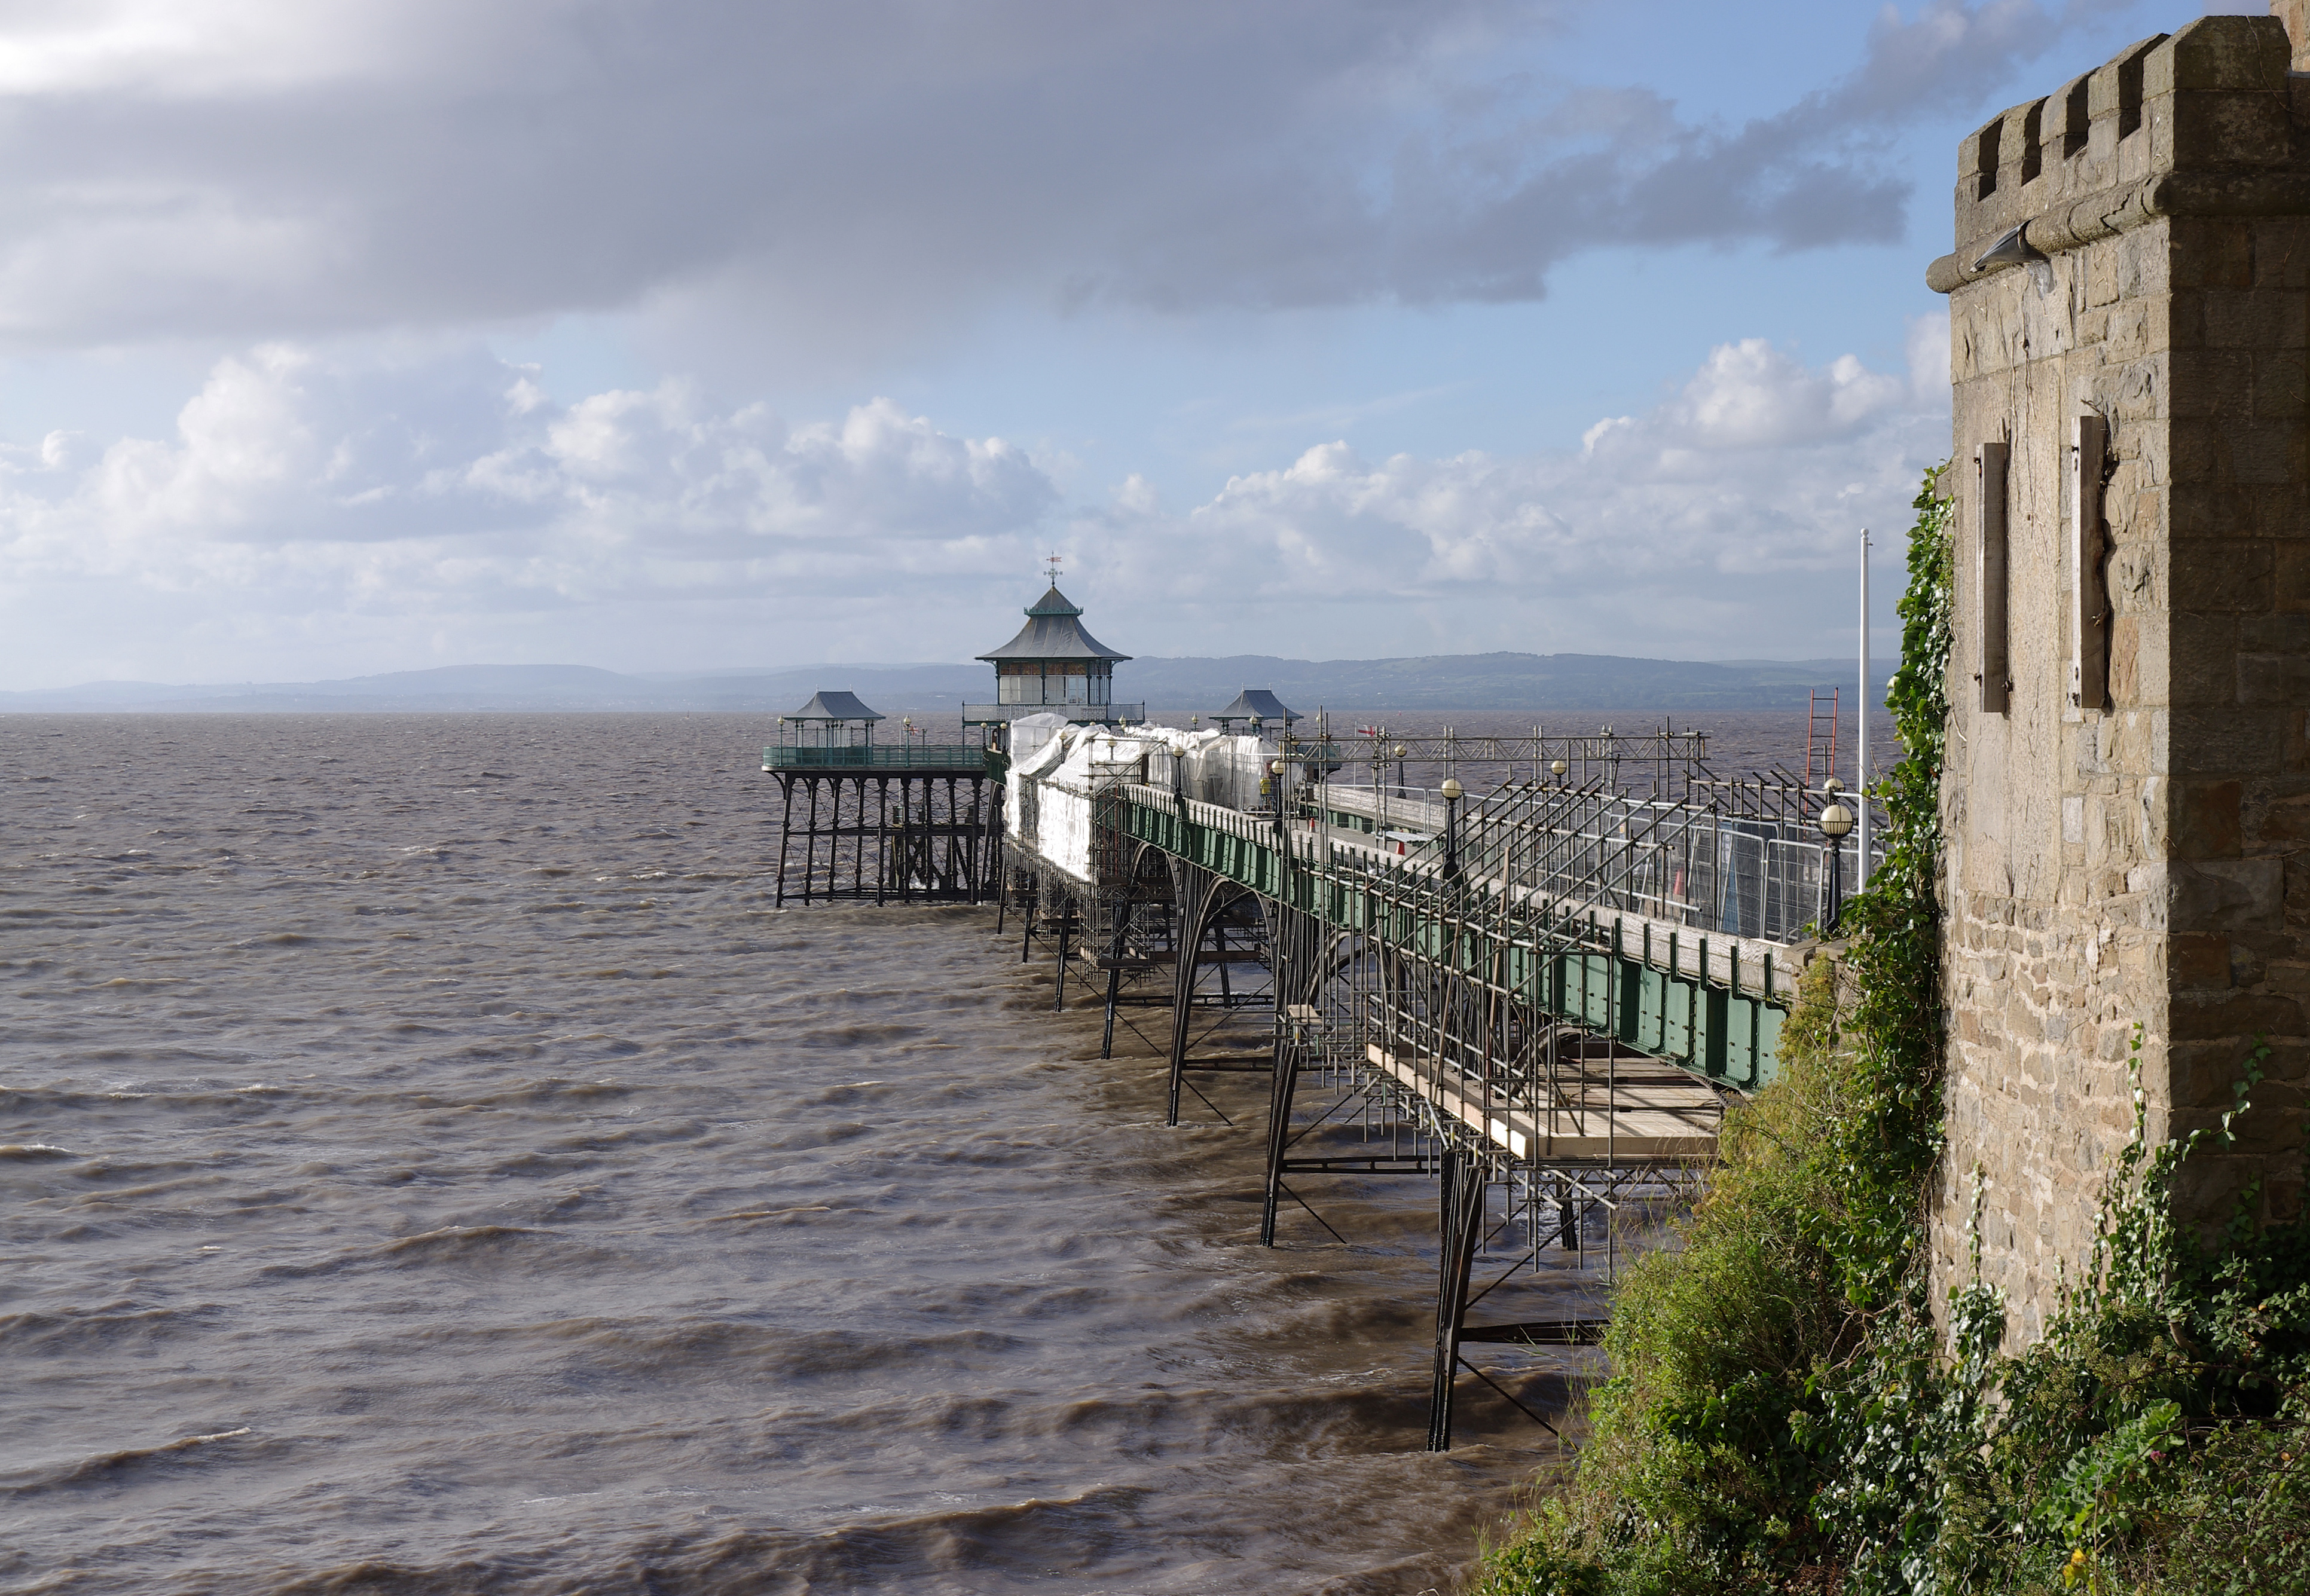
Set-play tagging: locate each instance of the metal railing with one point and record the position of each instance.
(1081, 714)
(908, 756)
(1683, 864)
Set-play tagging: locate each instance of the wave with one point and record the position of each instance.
(113, 1466)
(197, 1092)
(860, 1035)
(489, 1247)
(1036, 1542)
(105, 1329)
(733, 1349)
(959, 1550)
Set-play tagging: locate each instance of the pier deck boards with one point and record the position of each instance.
(1647, 1119)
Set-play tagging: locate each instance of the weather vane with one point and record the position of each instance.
(1051, 565)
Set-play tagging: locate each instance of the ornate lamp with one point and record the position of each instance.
(1835, 825)
(1452, 790)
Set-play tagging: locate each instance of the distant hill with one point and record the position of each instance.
(1540, 682)
(1551, 683)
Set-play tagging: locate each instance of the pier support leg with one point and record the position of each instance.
(1295, 955)
(810, 845)
(1114, 972)
(785, 840)
(1463, 1222)
(1280, 1092)
(1197, 901)
(1059, 976)
(881, 837)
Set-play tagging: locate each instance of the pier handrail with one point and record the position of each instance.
(1502, 930)
(880, 755)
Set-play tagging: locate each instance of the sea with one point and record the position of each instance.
(432, 1162)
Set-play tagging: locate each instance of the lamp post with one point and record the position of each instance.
(1836, 826)
(1451, 791)
(1275, 773)
(1557, 767)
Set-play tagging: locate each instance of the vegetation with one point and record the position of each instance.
(1783, 1415)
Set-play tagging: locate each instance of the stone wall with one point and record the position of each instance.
(2127, 822)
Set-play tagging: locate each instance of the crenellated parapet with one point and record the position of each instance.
(2206, 121)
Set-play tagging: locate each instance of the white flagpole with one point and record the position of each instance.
(1861, 742)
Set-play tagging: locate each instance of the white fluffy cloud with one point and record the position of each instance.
(448, 501)
(1721, 524)
(339, 518)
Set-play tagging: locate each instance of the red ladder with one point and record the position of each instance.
(1821, 738)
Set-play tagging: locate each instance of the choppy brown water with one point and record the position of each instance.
(430, 1165)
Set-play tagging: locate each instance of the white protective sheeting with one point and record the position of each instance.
(1029, 732)
(1048, 806)
(1214, 767)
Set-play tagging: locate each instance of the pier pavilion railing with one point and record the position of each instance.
(1664, 760)
(905, 756)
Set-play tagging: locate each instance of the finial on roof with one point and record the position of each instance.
(1051, 563)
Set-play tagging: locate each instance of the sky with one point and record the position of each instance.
(344, 336)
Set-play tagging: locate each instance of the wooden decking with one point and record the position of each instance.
(1655, 1114)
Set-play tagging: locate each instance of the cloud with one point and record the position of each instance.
(1721, 524)
(282, 168)
(323, 517)
(300, 496)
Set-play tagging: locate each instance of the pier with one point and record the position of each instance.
(1540, 998)
(1536, 989)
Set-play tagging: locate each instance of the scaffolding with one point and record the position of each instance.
(1541, 999)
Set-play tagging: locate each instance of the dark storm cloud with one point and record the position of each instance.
(295, 168)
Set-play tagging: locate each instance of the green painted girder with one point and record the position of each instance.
(1587, 976)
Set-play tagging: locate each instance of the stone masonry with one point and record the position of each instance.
(2127, 799)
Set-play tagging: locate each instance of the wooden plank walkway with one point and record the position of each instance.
(1653, 1118)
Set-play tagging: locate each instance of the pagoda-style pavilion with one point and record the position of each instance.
(831, 720)
(1258, 708)
(1054, 667)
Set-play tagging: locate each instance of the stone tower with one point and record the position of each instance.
(2127, 797)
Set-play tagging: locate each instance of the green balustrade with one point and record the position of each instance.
(1579, 971)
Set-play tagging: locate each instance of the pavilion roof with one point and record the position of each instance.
(1257, 701)
(834, 706)
(1054, 631)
